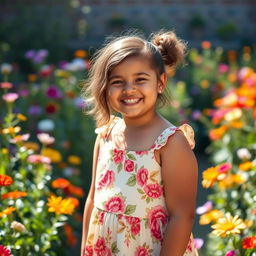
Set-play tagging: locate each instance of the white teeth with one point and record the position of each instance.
(131, 101)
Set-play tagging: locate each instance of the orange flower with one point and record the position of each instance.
(5, 180)
(214, 174)
(14, 195)
(210, 216)
(206, 45)
(71, 238)
(235, 124)
(32, 77)
(230, 181)
(31, 145)
(11, 130)
(21, 117)
(249, 242)
(80, 54)
(74, 190)
(217, 133)
(75, 201)
(60, 206)
(60, 183)
(245, 166)
(7, 211)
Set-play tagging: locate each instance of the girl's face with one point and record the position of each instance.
(133, 88)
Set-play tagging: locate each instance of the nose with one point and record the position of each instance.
(129, 87)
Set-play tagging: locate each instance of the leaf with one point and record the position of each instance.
(131, 157)
(130, 209)
(140, 190)
(119, 167)
(131, 181)
(114, 248)
(148, 200)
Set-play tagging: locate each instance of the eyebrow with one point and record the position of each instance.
(136, 74)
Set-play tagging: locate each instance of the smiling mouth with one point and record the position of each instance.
(131, 101)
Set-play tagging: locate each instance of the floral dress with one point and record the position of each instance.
(129, 217)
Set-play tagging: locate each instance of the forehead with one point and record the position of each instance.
(133, 64)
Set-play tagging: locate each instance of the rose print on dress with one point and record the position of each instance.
(106, 180)
(101, 249)
(143, 250)
(153, 190)
(115, 204)
(129, 165)
(157, 217)
(99, 218)
(142, 176)
(88, 251)
(118, 156)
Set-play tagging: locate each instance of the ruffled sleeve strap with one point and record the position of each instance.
(106, 129)
(164, 136)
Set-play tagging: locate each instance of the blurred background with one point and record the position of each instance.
(48, 44)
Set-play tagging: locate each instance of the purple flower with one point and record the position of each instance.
(79, 102)
(63, 64)
(30, 54)
(35, 110)
(53, 92)
(42, 53)
(204, 208)
(23, 92)
(196, 114)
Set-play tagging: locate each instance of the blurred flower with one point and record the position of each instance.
(75, 201)
(223, 68)
(10, 97)
(5, 180)
(210, 216)
(206, 45)
(7, 211)
(196, 114)
(246, 166)
(62, 64)
(204, 208)
(245, 73)
(46, 125)
(4, 251)
(231, 180)
(71, 238)
(32, 77)
(243, 154)
(80, 54)
(74, 190)
(204, 84)
(228, 225)
(77, 65)
(79, 102)
(231, 253)
(31, 145)
(60, 183)
(51, 108)
(45, 138)
(21, 117)
(30, 54)
(60, 206)
(75, 160)
(11, 130)
(195, 90)
(235, 113)
(17, 226)
(23, 92)
(40, 56)
(14, 195)
(53, 92)
(35, 110)
(6, 85)
(214, 174)
(71, 94)
(249, 242)
(52, 154)
(217, 133)
(46, 70)
(198, 242)
(19, 138)
(38, 159)
(6, 68)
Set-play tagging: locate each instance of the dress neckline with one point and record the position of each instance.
(146, 150)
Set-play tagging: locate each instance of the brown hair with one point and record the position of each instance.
(164, 48)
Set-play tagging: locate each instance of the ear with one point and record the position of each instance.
(162, 82)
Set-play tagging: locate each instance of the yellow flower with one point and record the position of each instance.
(53, 154)
(7, 211)
(11, 130)
(60, 206)
(204, 84)
(5, 151)
(228, 225)
(21, 117)
(235, 113)
(75, 160)
(210, 216)
(246, 166)
(31, 145)
(231, 180)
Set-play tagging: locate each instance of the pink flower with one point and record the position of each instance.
(6, 85)
(106, 179)
(198, 242)
(118, 156)
(88, 251)
(128, 165)
(18, 138)
(142, 176)
(101, 217)
(53, 92)
(45, 138)
(38, 159)
(157, 216)
(231, 253)
(135, 224)
(153, 190)
(101, 249)
(204, 208)
(115, 204)
(4, 251)
(141, 251)
(223, 68)
(10, 97)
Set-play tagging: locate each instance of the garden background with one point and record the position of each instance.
(46, 140)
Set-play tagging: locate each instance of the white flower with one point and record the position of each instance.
(6, 68)
(46, 125)
(17, 226)
(76, 65)
(45, 138)
(243, 154)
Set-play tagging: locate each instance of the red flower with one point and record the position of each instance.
(115, 204)
(141, 251)
(106, 179)
(153, 190)
(142, 176)
(249, 242)
(118, 156)
(4, 251)
(5, 180)
(101, 249)
(135, 224)
(157, 216)
(128, 165)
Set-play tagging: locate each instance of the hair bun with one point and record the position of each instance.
(171, 48)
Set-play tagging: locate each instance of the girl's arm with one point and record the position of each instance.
(89, 201)
(179, 173)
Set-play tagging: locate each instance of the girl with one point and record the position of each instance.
(144, 180)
